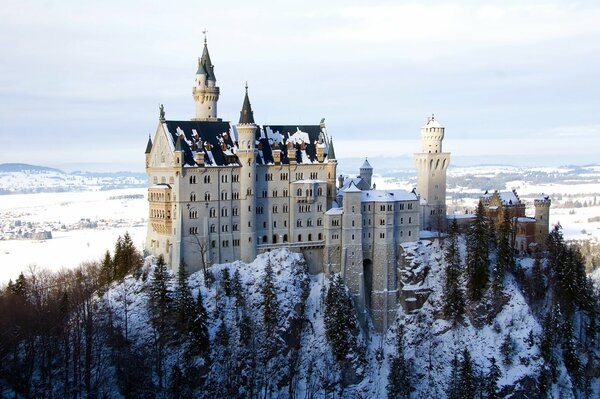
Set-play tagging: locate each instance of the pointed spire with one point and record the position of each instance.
(331, 152)
(149, 145)
(205, 65)
(246, 114)
(178, 146)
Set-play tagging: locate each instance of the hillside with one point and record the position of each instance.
(251, 338)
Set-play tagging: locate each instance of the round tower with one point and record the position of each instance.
(542, 219)
(205, 90)
(432, 164)
(246, 153)
(366, 172)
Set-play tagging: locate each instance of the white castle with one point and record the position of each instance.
(221, 192)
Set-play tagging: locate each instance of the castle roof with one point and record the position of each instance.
(218, 141)
(352, 188)
(431, 122)
(388, 196)
(357, 181)
(366, 165)
(205, 66)
(246, 114)
(149, 145)
(330, 152)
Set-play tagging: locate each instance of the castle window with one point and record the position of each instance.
(401, 207)
(353, 239)
(381, 235)
(207, 196)
(264, 239)
(236, 243)
(320, 236)
(382, 208)
(285, 209)
(193, 197)
(225, 243)
(264, 194)
(213, 244)
(285, 223)
(235, 178)
(193, 230)
(235, 211)
(410, 206)
(409, 233)
(299, 237)
(309, 223)
(299, 192)
(235, 227)
(192, 179)
(223, 178)
(285, 192)
(163, 179)
(298, 223)
(224, 196)
(353, 223)
(319, 222)
(213, 213)
(382, 222)
(206, 179)
(274, 238)
(193, 213)
(285, 238)
(274, 208)
(409, 220)
(213, 229)
(275, 224)
(309, 237)
(320, 207)
(401, 233)
(249, 239)
(274, 193)
(225, 228)
(235, 195)
(264, 225)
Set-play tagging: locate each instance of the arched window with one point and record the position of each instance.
(193, 197)
(299, 237)
(285, 238)
(309, 237)
(274, 238)
(264, 239)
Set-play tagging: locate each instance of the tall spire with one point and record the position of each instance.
(149, 145)
(331, 152)
(246, 114)
(205, 65)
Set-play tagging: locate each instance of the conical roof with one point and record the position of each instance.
(246, 114)
(148, 146)
(331, 152)
(366, 165)
(206, 64)
(178, 146)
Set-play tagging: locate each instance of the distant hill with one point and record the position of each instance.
(20, 167)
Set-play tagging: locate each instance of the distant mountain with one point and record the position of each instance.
(20, 167)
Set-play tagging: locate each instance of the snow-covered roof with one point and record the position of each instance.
(160, 186)
(387, 196)
(308, 181)
(366, 165)
(432, 122)
(357, 181)
(524, 219)
(335, 211)
(352, 189)
(509, 198)
(461, 216)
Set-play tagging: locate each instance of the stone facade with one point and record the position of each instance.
(220, 192)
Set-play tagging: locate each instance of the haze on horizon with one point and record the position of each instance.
(517, 82)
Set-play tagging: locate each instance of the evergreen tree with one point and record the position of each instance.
(238, 291)
(454, 301)
(199, 327)
(454, 388)
(184, 302)
(226, 282)
(570, 353)
(270, 305)
(507, 349)
(340, 320)
(107, 272)
(119, 259)
(160, 295)
(504, 258)
(176, 385)
(492, 377)
(538, 280)
(398, 378)
(478, 255)
(467, 377)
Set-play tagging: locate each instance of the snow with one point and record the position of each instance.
(387, 196)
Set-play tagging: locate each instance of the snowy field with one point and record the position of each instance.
(62, 213)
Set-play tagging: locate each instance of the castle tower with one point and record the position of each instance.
(366, 172)
(246, 153)
(352, 251)
(542, 219)
(331, 175)
(148, 151)
(432, 165)
(205, 90)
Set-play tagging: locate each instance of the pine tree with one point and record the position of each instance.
(504, 258)
(270, 305)
(238, 291)
(467, 377)
(478, 255)
(176, 384)
(454, 384)
(107, 272)
(537, 280)
(226, 282)
(184, 302)
(398, 378)
(119, 259)
(160, 296)
(492, 377)
(454, 301)
(340, 320)
(570, 353)
(199, 327)
(507, 349)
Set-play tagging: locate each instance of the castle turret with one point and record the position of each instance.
(331, 174)
(432, 165)
(246, 153)
(205, 91)
(148, 151)
(366, 172)
(352, 251)
(542, 219)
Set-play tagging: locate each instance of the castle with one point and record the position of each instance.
(220, 192)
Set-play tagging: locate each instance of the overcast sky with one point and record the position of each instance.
(80, 81)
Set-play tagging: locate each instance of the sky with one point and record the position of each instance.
(513, 82)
